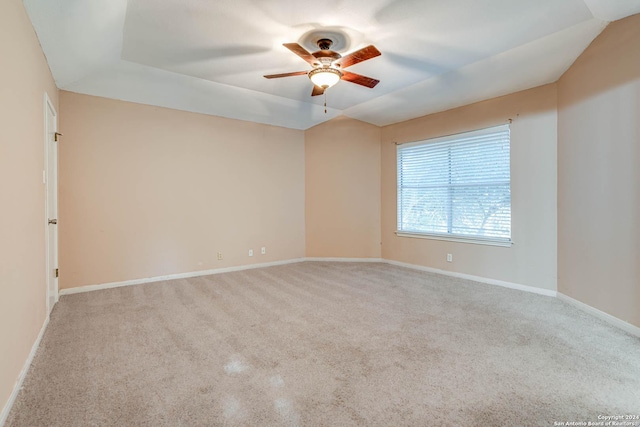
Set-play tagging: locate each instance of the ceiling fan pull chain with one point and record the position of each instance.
(325, 102)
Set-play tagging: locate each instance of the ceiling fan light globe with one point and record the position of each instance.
(325, 77)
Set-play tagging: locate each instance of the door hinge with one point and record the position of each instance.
(56, 272)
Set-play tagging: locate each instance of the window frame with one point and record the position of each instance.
(490, 241)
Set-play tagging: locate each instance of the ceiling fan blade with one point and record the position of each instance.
(301, 52)
(317, 90)
(359, 79)
(277, 76)
(358, 56)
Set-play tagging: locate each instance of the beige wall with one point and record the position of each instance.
(531, 260)
(599, 174)
(24, 78)
(342, 162)
(147, 191)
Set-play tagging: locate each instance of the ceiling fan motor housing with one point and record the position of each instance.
(325, 55)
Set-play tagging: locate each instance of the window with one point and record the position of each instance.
(456, 187)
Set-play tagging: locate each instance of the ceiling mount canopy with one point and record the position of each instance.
(325, 44)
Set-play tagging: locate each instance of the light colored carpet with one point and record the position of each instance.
(326, 344)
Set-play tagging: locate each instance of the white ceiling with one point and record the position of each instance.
(209, 56)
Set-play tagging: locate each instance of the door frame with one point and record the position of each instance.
(50, 287)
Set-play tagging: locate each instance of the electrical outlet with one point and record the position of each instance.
(219, 256)
(449, 257)
(263, 250)
(250, 252)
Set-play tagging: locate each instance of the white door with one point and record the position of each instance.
(51, 185)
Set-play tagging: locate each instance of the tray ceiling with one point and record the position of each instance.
(209, 57)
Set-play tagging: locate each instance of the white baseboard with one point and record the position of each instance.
(23, 373)
(332, 259)
(100, 286)
(625, 326)
(525, 288)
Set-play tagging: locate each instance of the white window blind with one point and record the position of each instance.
(456, 186)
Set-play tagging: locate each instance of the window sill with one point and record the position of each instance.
(472, 240)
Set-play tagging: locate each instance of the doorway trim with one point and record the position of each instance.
(51, 283)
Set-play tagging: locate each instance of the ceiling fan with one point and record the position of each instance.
(329, 66)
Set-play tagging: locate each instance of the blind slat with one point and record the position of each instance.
(457, 185)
